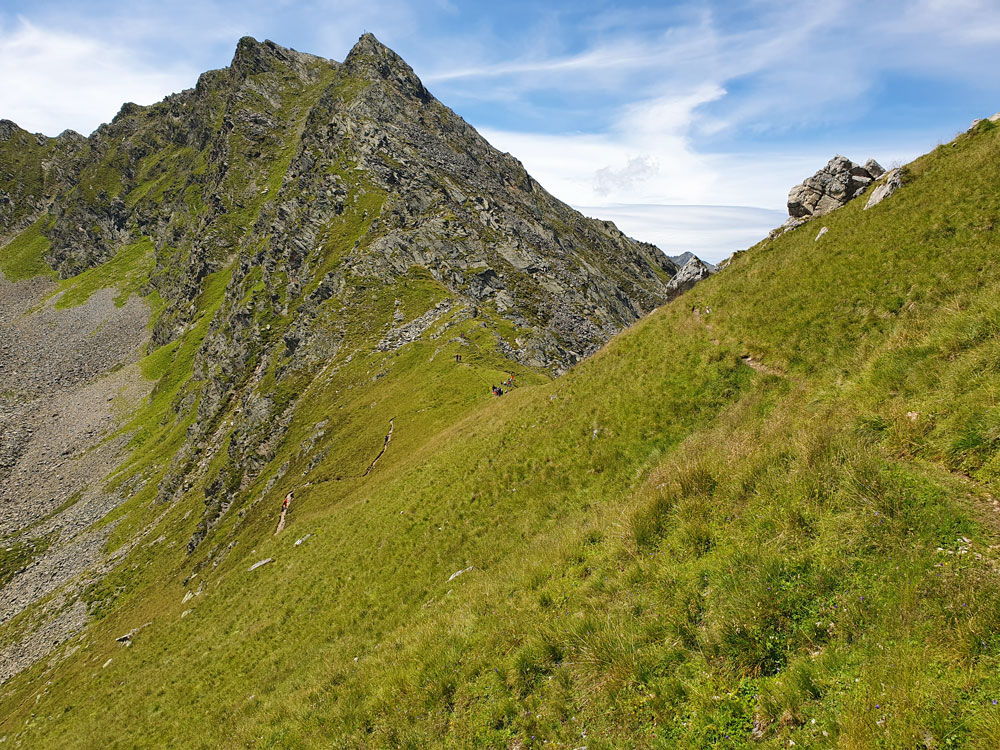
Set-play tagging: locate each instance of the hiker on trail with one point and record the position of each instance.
(284, 509)
(458, 357)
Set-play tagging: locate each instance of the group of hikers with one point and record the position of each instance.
(498, 390)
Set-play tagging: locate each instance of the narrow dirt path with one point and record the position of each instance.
(760, 366)
(385, 446)
(748, 359)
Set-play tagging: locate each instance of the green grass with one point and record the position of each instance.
(127, 272)
(662, 548)
(24, 256)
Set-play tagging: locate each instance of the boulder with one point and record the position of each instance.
(840, 181)
(874, 169)
(259, 564)
(893, 181)
(690, 274)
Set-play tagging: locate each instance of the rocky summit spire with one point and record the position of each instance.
(371, 59)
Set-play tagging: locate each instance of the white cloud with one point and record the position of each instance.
(623, 57)
(53, 80)
(638, 169)
(710, 232)
(645, 157)
(658, 188)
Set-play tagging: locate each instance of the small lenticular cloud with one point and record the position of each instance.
(638, 169)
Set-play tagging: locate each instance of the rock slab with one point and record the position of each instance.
(893, 181)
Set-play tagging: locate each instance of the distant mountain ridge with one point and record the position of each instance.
(683, 258)
(250, 140)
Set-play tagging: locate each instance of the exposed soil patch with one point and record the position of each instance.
(759, 366)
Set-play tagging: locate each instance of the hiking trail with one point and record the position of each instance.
(747, 359)
(385, 446)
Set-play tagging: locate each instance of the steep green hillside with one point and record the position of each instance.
(665, 547)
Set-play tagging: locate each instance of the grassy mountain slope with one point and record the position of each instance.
(662, 548)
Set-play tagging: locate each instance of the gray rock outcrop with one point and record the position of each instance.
(690, 274)
(893, 181)
(840, 181)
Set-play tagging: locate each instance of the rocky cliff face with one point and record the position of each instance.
(33, 170)
(260, 160)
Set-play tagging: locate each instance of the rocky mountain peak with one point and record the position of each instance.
(372, 60)
(295, 220)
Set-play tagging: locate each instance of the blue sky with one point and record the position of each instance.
(684, 122)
